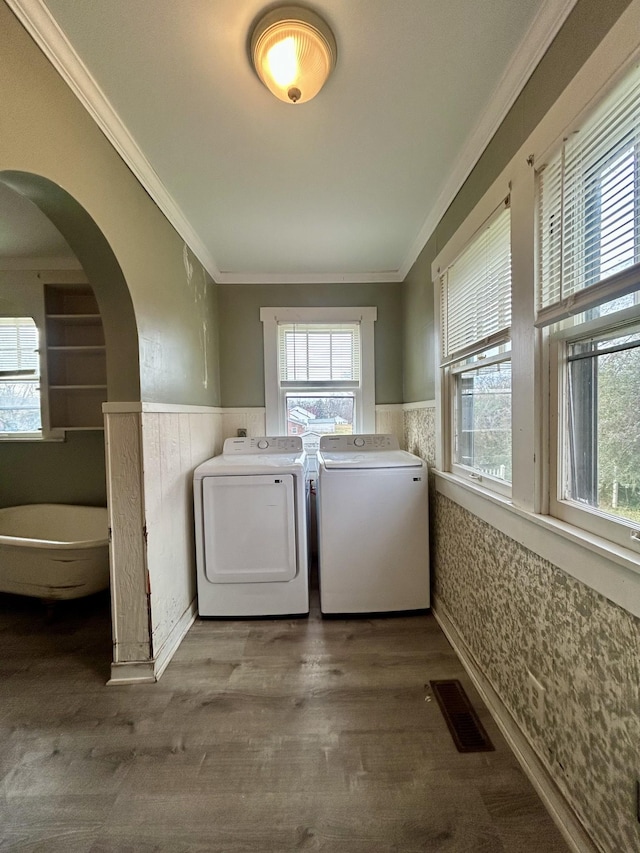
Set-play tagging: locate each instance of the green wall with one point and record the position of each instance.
(241, 341)
(165, 342)
(583, 30)
(70, 471)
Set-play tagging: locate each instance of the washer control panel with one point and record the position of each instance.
(263, 444)
(346, 443)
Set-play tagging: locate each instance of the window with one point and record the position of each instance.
(319, 375)
(19, 376)
(588, 295)
(475, 311)
(319, 366)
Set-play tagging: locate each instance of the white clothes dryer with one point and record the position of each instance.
(373, 526)
(251, 507)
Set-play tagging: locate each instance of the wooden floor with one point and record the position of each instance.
(265, 736)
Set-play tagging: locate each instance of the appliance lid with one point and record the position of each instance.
(350, 460)
(253, 463)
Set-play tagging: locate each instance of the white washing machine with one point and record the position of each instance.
(373, 526)
(251, 509)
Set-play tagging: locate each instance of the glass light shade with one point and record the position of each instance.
(293, 51)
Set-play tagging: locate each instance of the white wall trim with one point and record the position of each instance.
(422, 404)
(177, 635)
(132, 672)
(159, 408)
(390, 407)
(609, 569)
(526, 57)
(42, 27)
(555, 802)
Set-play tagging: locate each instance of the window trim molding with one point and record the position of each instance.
(270, 317)
(488, 206)
(610, 569)
(617, 530)
(457, 469)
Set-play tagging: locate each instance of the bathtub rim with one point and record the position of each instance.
(9, 541)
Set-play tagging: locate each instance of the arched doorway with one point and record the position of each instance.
(104, 275)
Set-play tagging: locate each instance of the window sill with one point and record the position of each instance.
(609, 569)
(30, 437)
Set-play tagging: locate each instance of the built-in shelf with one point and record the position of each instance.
(83, 348)
(77, 387)
(76, 357)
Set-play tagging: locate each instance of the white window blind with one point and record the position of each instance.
(476, 289)
(18, 348)
(589, 205)
(312, 353)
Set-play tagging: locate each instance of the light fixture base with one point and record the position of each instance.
(293, 51)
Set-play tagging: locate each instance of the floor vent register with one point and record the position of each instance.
(466, 729)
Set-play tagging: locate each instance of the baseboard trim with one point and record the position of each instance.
(149, 671)
(176, 636)
(132, 672)
(561, 812)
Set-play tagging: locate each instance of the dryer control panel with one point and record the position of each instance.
(350, 443)
(263, 444)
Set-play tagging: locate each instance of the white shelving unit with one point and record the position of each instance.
(76, 357)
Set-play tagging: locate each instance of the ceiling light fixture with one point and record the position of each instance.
(293, 52)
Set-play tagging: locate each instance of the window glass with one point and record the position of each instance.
(482, 433)
(602, 464)
(314, 415)
(19, 376)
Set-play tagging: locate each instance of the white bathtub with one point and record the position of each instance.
(54, 551)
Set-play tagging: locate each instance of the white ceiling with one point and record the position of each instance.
(346, 187)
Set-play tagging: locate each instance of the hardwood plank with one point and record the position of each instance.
(263, 735)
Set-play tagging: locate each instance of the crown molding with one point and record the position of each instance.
(42, 27)
(390, 276)
(40, 24)
(541, 32)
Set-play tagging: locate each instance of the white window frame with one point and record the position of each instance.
(610, 569)
(32, 378)
(615, 529)
(562, 325)
(446, 373)
(451, 373)
(275, 395)
(24, 290)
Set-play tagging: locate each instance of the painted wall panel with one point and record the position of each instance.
(128, 552)
(174, 443)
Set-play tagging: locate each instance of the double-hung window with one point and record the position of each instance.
(319, 372)
(588, 298)
(19, 377)
(319, 367)
(475, 314)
